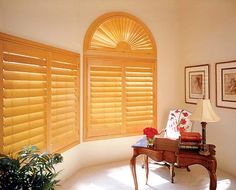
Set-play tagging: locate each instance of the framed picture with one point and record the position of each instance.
(196, 83)
(226, 84)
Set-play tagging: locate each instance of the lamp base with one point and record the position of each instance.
(204, 150)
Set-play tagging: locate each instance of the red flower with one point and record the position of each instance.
(183, 121)
(150, 132)
(185, 114)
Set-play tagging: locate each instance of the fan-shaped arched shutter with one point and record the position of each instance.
(119, 77)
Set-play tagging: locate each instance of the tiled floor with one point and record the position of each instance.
(117, 176)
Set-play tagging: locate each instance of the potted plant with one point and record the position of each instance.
(29, 170)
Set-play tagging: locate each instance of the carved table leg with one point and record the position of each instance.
(212, 173)
(172, 172)
(133, 169)
(147, 168)
(213, 180)
(211, 168)
(143, 164)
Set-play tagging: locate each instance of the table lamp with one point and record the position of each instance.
(204, 113)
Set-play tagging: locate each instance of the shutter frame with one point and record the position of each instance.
(1, 96)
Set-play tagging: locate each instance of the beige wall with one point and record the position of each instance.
(63, 23)
(208, 37)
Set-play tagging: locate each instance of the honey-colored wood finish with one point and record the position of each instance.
(119, 77)
(39, 95)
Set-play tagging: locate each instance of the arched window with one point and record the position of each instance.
(120, 77)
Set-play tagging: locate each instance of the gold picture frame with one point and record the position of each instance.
(226, 84)
(197, 83)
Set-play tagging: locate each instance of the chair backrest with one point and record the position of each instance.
(178, 121)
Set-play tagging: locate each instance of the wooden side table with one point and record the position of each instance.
(167, 150)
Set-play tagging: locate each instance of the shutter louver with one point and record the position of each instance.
(65, 102)
(105, 99)
(139, 97)
(24, 97)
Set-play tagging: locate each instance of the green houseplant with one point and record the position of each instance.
(29, 170)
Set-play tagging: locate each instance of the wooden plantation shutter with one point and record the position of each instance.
(119, 77)
(105, 106)
(64, 101)
(121, 97)
(140, 93)
(24, 97)
(37, 82)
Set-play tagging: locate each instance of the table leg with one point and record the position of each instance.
(211, 168)
(213, 180)
(133, 169)
(172, 172)
(146, 168)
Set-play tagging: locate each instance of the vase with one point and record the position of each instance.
(150, 141)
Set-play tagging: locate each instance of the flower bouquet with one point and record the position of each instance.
(150, 134)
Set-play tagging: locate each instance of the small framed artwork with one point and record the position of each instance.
(196, 83)
(226, 84)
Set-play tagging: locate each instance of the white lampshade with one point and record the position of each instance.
(204, 112)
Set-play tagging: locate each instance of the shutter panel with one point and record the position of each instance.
(139, 96)
(64, 130)
(121, 97)
(105, 95)
(24, 97)
(39, 98)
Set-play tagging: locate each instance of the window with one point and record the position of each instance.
(39, 96)
(119, 77)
